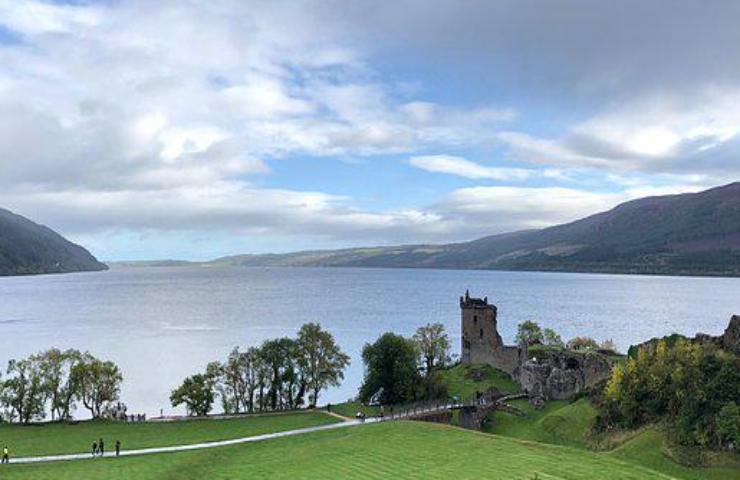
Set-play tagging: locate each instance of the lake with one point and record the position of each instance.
(161, 324)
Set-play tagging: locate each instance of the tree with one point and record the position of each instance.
(321, 360)
(23, 391)
(278, 357)
(98, 383)
(551, 338)
(433, 344)
(59, 384)
(196, 392)
(582, 344)
(391, 368)
(728, 425)
(240, 377)
(215, 371)
(528, 332)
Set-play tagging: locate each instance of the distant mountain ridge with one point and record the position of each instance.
(685, 234)
(27, 248)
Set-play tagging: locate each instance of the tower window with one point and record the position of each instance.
(481, 333)
(475, 318)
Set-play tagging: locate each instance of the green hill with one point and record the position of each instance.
(28, 248)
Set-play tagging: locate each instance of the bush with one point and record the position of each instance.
(692, 386)
(582, 344)
(529, 332)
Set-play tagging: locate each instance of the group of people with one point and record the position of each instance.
(98, 448)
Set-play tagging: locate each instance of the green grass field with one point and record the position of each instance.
(350, 409)
(406, 450)
(559, 422)
(460, 381)
(566, 423)
(57, 438)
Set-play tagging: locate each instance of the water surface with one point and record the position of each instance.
(162, 324)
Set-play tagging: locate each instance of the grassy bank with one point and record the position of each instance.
(408, 450)
(569, 424)
(57, 438)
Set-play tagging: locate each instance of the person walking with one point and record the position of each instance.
(118, 447)
(94, 448)
(101, 447)
(6, 454)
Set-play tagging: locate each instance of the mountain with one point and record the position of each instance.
(29, 248)
(686, 234)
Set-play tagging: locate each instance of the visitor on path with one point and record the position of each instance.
(328, 407)
(101, 447)
(118, 447)
(94, 448)
(6, 454)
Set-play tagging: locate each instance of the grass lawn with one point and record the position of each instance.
(350, 409)
(565, 423)
(404, 450)
(647, 448)
(460, 381)
(559, 422)
(56, 438)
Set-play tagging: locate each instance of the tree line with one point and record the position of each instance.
(531, 333)
(54, 381)
(282, 373)
(693, 387)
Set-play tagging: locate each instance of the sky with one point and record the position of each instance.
(195, 129)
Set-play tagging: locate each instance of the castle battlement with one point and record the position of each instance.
(469, 302)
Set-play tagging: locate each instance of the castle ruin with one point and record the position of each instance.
(558, 375)
(481, 342)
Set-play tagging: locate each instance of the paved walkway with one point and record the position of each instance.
(192, 446)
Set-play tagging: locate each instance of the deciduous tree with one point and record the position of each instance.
(391, 368)
(98, 383)
(320, 359)
(433, 345)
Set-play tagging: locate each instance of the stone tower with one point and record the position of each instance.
(481, 342)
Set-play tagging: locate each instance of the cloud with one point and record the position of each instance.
(141, 115)
(662, 135)
(558, 52)
(465, 168)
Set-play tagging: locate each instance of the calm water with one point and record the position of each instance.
(162, 324)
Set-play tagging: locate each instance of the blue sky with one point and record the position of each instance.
(196, 129)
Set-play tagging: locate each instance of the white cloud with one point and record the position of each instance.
(691, 135)
(465, 168)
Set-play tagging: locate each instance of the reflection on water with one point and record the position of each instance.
(161, 324)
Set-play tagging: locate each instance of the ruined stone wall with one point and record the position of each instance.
(561, 375)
